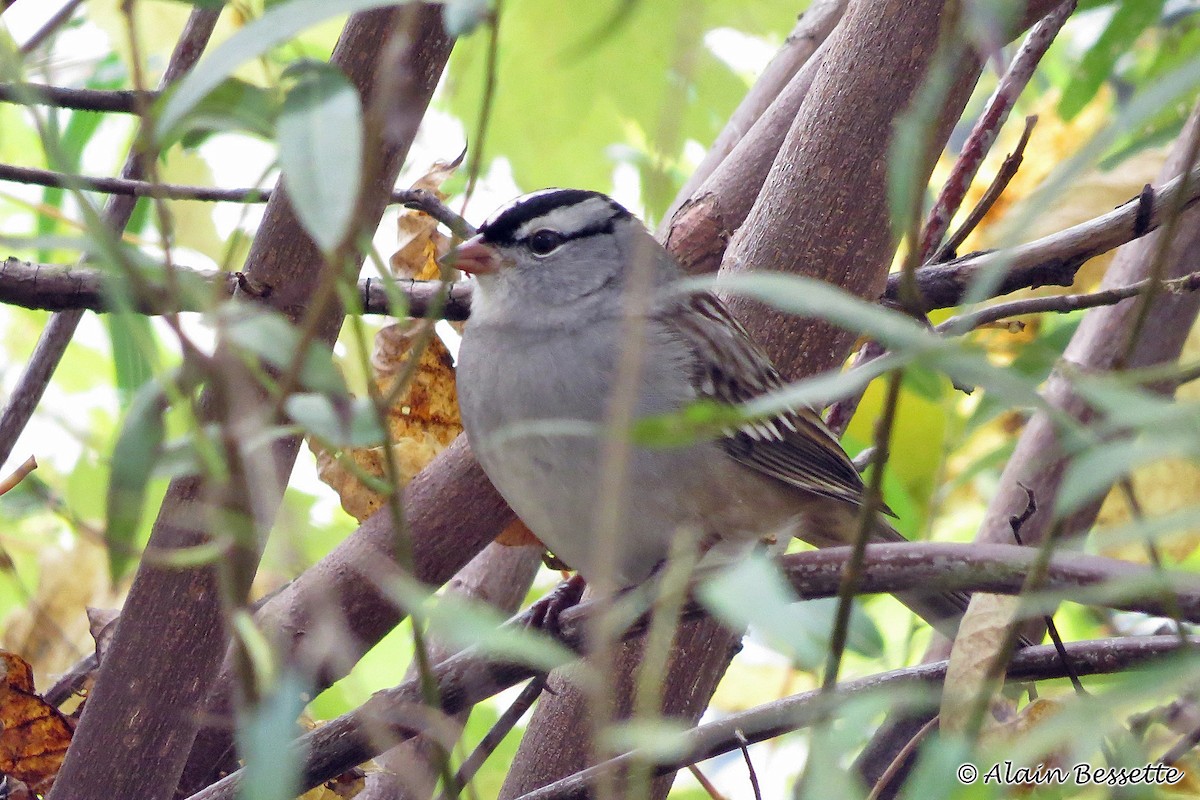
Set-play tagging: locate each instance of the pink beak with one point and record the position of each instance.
(474, 257)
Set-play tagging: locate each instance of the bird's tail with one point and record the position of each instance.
(941, 609)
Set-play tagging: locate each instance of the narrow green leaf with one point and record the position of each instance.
(654, 740)
(279, 24)
(810, 297)
(131, 335)
(320, 151)
(265, 742)
(1127, 23)
(338, 420)
(234, 105)
(272, 338)
(135, 453)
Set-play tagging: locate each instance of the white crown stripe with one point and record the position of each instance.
(569, 220)
(516, 201)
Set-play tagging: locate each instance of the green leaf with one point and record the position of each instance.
(279, 24)
(694, 422)
(210, 4)
(265, 742)
(463, 623)
(1127, 23)
(338, 420)
(272, 338)
(673, 91)
(131, 335)
(234, 105)
(135, 453)
(1093, 472)
(320, 151)
(810, 297)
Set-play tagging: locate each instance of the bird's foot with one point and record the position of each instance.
(546, 611)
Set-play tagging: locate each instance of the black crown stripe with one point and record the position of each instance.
(503, 227)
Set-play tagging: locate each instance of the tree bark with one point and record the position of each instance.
(143, 714)
(822, 211)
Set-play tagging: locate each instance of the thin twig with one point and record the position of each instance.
(61, 327)
(1064, 303)
(986, 128)
(17, 475)
(502, 727)
(485, 103)
(1015, 522)
(119, 101)
(805, 709)
(708, 786)
(1004, 175)
(897, 764)
(414, 198)
(744, 746)
(1181, 748)
(60, 18)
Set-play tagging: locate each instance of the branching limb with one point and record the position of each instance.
(987, 127)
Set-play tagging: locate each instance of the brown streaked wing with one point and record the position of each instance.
(729, 367)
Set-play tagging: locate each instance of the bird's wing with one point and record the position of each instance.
(795, 447)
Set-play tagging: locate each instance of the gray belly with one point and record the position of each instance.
(537, 432)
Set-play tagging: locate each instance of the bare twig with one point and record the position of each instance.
(744, 746)
(17, 475)
(117, 212)
(1004, 175)
(983, 134)
(901, 759)
(120, 101)
(1065, 303)
(415, 198)
(1053, 259)
(1181, 748)
(51, 25)
(503, 726)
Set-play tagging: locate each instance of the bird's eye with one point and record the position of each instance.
(545, 241)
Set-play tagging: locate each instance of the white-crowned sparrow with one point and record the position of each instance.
(540, 349)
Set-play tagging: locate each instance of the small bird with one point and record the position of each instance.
(540, 351)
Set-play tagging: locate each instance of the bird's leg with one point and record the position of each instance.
(546, 611)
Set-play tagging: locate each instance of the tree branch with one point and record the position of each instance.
(470, 677)
(1064, 303)
(120, 101)
(987, 127)
(117, 211)
(1097, 657)
(1052, 260)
